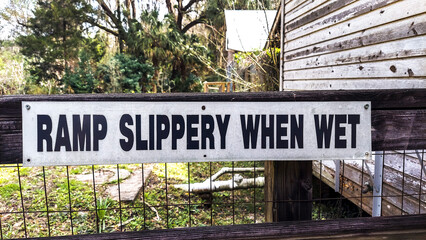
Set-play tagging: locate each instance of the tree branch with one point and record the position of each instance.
(127, 11)
(180, 15)
(22, 24)
(133, 9)
(193, 23)
(190, 3)
(94, 23)
(171, 8)
(108, 12)
(237, 181)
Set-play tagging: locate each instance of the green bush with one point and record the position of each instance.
(82, 79)
(124, 73)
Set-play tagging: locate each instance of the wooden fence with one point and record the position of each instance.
(399, 227)
(398, 116)
(398, 122)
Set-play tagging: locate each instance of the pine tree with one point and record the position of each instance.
(55, 35)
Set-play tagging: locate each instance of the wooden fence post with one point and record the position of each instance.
(288, 190)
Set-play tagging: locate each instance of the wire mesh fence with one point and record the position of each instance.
(51, 201)
(70, 200)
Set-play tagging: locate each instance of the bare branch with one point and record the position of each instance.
(193, 23)
(94, 23)
(127, 11)
(180, 15)
(108, 12)
(237, 181)
(171, 8)
(133, 9)
(22, 24)
(189, 5)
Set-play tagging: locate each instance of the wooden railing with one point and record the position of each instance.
(398, 116)
(399, 227)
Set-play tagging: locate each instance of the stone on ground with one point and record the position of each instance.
(103, 175)
(129, 188)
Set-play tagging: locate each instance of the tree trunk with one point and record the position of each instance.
(121, 32)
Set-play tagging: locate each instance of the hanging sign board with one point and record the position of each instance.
(79, 133)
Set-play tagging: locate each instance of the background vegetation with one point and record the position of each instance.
(81, 46)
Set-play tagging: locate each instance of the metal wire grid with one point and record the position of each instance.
(392, 191)
(71, 211)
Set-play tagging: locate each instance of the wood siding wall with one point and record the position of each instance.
(354, 44)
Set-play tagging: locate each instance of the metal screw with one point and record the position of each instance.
(28, 107)
(28, 160)
(203, 107)
(367, 153)
(366, 106)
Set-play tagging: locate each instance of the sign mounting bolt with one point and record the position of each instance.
(28, 107)
(367, 153)
(366, 106)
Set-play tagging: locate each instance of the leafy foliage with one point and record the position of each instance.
(103, 205)
(120, 73)
(55, 38)
(82, 79)
(11, 69)
(124, 73)
(176, 54)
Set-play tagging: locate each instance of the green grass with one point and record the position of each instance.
(8, 190)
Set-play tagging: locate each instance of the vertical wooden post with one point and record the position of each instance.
(230, 68)
(206, 88)
(269, 190)
(288, 190)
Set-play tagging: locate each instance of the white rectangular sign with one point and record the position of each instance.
(79, 133)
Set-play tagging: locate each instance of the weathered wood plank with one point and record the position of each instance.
(354, 177)
(397, 189)
(394, 187)
(315, 10)
(395, 227)
(329, 84)
(300, 6)
(412, 47)
(350, 11)
(306, 9)
(411, 27)
(410, 165)
(387, 14)
(405, 68)
(396, 122)
(395, 129)
(10, 106)
(353, 189)
(292, 5)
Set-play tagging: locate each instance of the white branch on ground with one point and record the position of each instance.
(238, 181)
